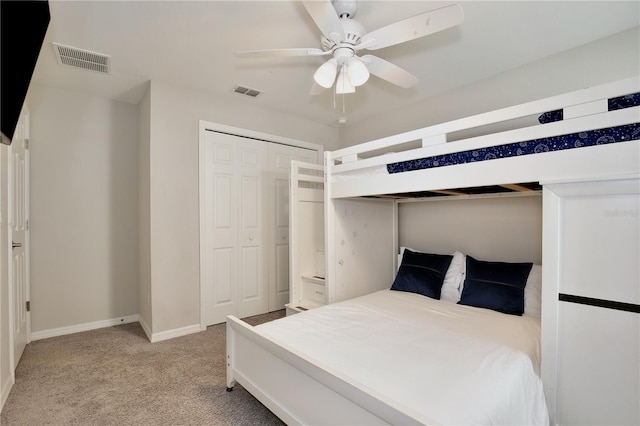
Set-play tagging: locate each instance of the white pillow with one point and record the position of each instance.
(533, 292)
(453, 279)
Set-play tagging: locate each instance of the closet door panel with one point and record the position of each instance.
(224, 209)
(281, 243)
(282, 207)
(252, 281)
(252, 295)
(224, 240)
(221, 227)
(250, 211)
(252, 155)
(224, 276)
(282, 270)
(253, 267)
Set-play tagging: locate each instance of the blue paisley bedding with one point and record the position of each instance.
(555, 143)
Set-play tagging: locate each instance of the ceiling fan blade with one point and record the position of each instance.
(413, 28)
(326, 18)
(388, 71)
(281, 52)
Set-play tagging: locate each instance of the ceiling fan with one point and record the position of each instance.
(343, 38)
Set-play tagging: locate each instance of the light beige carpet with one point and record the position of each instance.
(115, 376)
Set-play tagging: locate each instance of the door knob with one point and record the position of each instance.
(14, 244)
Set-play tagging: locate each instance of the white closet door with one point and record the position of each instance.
(279, 164)
(235, 277)
(253, 297)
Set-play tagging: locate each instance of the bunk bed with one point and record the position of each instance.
(351, 362)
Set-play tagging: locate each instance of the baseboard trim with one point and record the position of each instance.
(145, 328)
(6, 388)
(54, 332)
(176, 332)
(153, 337)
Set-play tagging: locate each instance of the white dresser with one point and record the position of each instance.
(591, 302)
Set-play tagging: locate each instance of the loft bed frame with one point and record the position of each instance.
(529, 153)
(517, 155)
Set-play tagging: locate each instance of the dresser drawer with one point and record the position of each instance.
(313, 291)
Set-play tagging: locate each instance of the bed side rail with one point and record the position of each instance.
(580, 105)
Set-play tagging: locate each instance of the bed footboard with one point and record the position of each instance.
(299, 390)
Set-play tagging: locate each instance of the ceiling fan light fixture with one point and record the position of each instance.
(326, 74)
(343, 85)
(357, 72)
(343, 37)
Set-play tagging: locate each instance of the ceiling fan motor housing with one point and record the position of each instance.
(345, 8)
(353, 32)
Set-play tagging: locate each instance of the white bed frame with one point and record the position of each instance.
(299, 390)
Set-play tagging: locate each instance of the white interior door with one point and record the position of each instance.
(279, 164)
(18, 224)
(234, 269)
(220, 265)
(253, 298)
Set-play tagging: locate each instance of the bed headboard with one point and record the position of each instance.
(496, 228)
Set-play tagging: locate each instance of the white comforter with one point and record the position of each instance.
(442, 363)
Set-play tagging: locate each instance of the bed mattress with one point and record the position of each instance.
(440, 362)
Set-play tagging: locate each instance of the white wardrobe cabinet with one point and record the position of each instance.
(331, 239)
(591, 306)
(306, 218)
(244, 224)
(279, 162)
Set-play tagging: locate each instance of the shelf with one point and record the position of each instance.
(307, 304)
(314, 279)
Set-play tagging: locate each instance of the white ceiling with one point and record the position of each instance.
(190, 44)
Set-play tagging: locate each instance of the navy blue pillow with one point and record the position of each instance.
(495, 285)
(422, 273)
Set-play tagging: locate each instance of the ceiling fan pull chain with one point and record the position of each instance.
(334, 99)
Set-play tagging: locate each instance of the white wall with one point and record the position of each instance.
(609, 59)
(174, 222)
(84, 216)
(503, 229)
(144, 237)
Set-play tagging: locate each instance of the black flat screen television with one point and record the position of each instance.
(23, 26)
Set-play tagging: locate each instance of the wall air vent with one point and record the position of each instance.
(84, 59)
(243, 90)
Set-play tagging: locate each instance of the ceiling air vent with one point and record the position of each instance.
(254, 93)
(84, 59)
